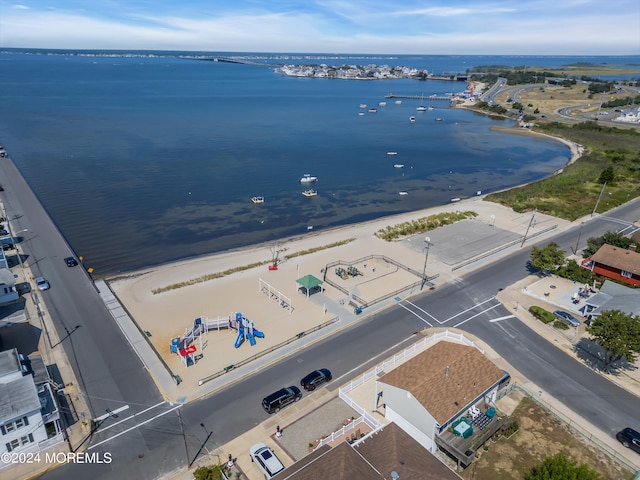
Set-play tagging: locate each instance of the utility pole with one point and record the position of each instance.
(598, 201)
(530, 224)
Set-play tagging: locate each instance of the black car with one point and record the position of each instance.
(629, 438)
(315, 379)
(3, 232)
(283, 397)
(71, 262)
(7, 246)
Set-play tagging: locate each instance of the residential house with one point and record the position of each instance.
(615, 263)
(28, 412)
(8, 293)
(613, 296)
(389, 453)
(428, 395)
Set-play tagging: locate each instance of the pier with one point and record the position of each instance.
(421, 97)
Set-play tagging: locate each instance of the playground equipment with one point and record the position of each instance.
(246, 331)
(277, 295)
(184, 346)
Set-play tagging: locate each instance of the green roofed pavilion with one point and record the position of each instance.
(309, 282)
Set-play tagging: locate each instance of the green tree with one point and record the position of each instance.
(607, 175)
(615, 239)
(547, 258)
(618, 333)
(561, 467)
(208, 473)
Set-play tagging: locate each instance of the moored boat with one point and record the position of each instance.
(310, 193)
(392, 153)
(257, 199)
(403, 193)
(373, 110)
(308, 178)
(412, 119)
(363, 105)
(398, 165)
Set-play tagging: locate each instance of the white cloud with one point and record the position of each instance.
(20, 7)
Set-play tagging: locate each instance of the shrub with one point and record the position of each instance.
(541, 314)
(560, 325)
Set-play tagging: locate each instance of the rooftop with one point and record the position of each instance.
(445, 378)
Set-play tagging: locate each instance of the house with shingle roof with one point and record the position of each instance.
(613, 296)
(616, 263)
(428, 395)
(376, 457)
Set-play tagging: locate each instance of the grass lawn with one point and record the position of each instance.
(540, 435)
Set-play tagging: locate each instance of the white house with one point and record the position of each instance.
(28, 414)
(428, 393)
(8, 292)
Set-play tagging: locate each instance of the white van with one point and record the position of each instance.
(266, 460)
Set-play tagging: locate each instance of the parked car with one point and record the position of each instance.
(3, 232)
(630, 438)
(315, 379)
(266, 460)
(283, 397)
(567, 317)
(71, 262)
(7, 246)
(42, 283)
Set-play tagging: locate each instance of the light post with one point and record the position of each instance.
(427, 242)
(575, 251)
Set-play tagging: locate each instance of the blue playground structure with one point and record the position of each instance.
(246, 331)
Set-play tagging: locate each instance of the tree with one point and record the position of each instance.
(615, 239)
(607, 175)
(547, 258)
(618, 333)
(561, 467)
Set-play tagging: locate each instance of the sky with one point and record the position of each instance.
(427, 27)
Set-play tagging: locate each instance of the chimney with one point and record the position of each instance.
(632, 247)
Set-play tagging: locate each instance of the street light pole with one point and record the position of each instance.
(427, 242)
(575, 251)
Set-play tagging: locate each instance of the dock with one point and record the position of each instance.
(421, 97)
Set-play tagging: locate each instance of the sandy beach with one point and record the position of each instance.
(257, 292)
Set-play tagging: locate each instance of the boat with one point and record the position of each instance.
(439, 119)
(403, 193)
(412, 119)
(307, 178)
(392, 153)
(398, 165)
(382, 104)
(310, 193)
(422, 108)
(373, 110)
(361, 114)
(363, 105)
(430, 107)
(398, 102)
(257, 199)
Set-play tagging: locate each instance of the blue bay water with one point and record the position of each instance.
(142, 160)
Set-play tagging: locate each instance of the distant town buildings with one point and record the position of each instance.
(352, 72)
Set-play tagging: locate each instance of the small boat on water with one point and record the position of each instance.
(307, 178)
(310, 193)
(382, 104)
(373, 110)
(398, 102)
(392, 153)
(403, 193)
(361, 114)
(422, 108)
(430, 107)
(363, 105)
(439, 119)
(398, 165)
(257, 199)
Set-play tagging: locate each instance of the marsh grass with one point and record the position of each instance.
(574, 191)
(421, 225)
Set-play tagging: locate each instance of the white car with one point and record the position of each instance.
(266, 460)
(42, 283)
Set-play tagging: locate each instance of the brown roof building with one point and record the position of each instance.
(436, 388)
(615, 263)
(389, 450)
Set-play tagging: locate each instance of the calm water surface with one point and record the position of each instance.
(143, 160)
